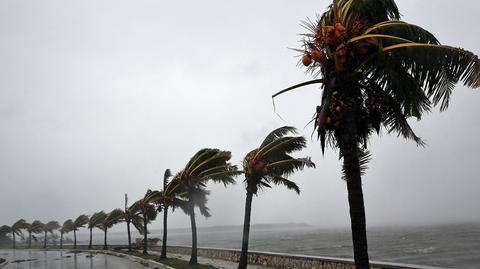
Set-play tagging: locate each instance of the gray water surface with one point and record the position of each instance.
(40, 259)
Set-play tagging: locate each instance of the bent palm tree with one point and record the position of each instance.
(270, 164)
(78, 223)
(146, 208)
(35, 228)
(170, 199)
(131, 216)
(16, 229)
(376, 70)
(66, 228)
(95, 220)
(206, 165)
(111, 219)
(49, 228)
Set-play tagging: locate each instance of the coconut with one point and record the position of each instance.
(329, 29)
(316, 55)
(338, 109)
(307, 59)
(339, 27)
(328, 120)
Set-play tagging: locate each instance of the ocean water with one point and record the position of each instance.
(453, 246)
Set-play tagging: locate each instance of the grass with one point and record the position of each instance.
(172, 262)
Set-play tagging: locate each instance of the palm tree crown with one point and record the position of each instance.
(271, 163)
(382, 68)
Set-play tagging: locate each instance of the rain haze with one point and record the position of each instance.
(98, 98)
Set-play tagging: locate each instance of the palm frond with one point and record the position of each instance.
(96, 219)
(51, 226)
(67, 226)
(80, 222)
(277, 133)
(287, 167)
(278, 180)
(437, 68)
(166, 176)
(283, 145)
(364, 158)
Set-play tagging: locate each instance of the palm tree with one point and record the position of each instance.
(95, 220)
(171, 197)
(146, 209)
(35, 228)
(16, 229)
(66, 228)
(376, 70)
(49, 228)
(111, 219)
(78, 223)
(206, 165)
(270, 164)
(131, 216)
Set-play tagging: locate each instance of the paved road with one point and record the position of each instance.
(39, 259)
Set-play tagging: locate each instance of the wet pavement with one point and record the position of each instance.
(40, 259)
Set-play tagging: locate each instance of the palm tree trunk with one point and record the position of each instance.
(61, 240)
(105, 240)
(29, 240)
(74, 239)
(13, 235)
(246, 232)
(129, 237)
(90, 244)
(193, 257)
(350, 150)
(45, 240)
(164, 245)
(145, 245)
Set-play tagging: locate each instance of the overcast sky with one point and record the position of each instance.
(98, 98)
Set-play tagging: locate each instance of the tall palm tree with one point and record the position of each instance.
(95, 220)
(49, 228)
(78, 223)
(66, 228)
(174, 196)
(270, 164)
(146, 209)
(35, 227)
(376, 70)
(132, 216)
(170, 198)
(205, 166)
(16, 229)
(111, 219)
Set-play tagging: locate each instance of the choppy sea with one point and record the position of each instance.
(453, 246)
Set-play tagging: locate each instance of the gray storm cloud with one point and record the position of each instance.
(98, 98)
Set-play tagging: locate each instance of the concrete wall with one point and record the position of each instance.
(288, 261)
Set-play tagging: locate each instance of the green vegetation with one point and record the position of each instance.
(173, 262)
(376, 71)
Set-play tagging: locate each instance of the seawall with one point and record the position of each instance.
(288, 261)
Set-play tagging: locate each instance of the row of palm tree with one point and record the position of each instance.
(375, 70)
(269, 164)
